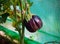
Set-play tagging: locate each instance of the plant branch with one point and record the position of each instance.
(22, 15)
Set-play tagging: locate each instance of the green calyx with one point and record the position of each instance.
(28, 17)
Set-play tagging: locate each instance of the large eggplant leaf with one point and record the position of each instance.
(14, 35)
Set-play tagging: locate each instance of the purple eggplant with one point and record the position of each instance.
(33, 24)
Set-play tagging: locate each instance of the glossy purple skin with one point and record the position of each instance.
(34, 24)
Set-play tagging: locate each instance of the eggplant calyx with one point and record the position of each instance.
(28, 17)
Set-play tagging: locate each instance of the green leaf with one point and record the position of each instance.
(30, 3)
(14, 35)
(4, 17)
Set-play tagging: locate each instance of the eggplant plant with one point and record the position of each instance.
(22, 18)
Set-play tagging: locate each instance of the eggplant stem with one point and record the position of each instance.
(23, 28)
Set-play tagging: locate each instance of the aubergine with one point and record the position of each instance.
(33, 24)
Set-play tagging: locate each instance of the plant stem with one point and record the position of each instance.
(15, 16)
(14, 6)
(22, 15)
(22, 35)
(28, 9)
